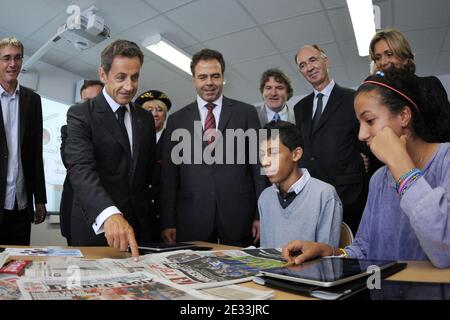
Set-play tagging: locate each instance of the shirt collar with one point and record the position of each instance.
(201, 103)
(327, 90)
(298, 186)
(112, 103)
(16, 91)
(271, 113)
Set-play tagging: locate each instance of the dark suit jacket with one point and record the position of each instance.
(332, 151)
(65, 207)
(196, 198)
(102, 172)
(156, 189)
(30, 131)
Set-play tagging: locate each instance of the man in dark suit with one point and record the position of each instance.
(110, 154)
(21, 168)
(330, 129)
(276, 90)
(89, 90)
(210, 202)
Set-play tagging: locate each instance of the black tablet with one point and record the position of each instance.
(328, 272)
(162, 246)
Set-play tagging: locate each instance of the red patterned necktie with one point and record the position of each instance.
(210, 123)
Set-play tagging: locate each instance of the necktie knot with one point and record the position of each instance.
(121, 112)
(319, 96)
(210, 107)
(276, 117)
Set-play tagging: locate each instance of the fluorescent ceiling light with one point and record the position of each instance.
(363, 21)
(168, 51)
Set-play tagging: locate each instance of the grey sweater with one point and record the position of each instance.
(314, 215)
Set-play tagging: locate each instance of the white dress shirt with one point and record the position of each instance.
(326, 95)
(284, 115)
(15, 180)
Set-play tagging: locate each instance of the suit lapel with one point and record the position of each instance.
(307, 114)
(334, 102)
(136, 128)
(225, 114)
(23, 102)
(108, 118)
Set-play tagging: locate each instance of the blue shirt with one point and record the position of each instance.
(15, 181)
(415, 227)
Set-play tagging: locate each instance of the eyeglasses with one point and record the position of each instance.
(9, 58)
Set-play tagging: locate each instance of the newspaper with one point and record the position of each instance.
(65, 267)
(3, 258)
(194, 269)
(131, 286)
(8, 288)
(208, 269)
(233, 292)
(44, 252)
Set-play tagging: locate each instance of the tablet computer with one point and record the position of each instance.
(162, 246)
(327, 272)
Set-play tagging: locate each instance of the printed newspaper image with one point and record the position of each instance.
(44, 252)
(208, 269)
(64, 267)
(132, 286)
(8, 288)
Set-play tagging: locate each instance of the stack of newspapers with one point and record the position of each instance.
(177, 275)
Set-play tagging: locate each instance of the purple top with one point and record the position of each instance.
(415, 228)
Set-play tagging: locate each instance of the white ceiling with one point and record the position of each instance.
(253, 35)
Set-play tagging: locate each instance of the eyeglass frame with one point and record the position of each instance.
(8, 58)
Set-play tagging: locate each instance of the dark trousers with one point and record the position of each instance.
(15, 227)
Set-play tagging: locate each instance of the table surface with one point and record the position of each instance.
(416, 271)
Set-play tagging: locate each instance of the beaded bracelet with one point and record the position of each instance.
(409, 181)
(403, 177)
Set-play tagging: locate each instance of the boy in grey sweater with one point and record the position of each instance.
(296, 206)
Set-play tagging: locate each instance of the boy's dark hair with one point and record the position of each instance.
(90, 83)
(207, 54)
(123, 48)
(289, 134)
(430, 121)
(279, 76)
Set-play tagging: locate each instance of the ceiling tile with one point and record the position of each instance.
(421, 14)
(198, 19)
(252, 70)
(296, 32)
(357, 73)
(153, 73)
(29, 13)
(331, 4)
(426, 41)
(350, 54)
(443, 65)
(265, 11)
(248, 93)
(426, 63)
(166, 5)
(86, 70)
(134, 13)
(446, 46)
(158, 25)
(342, 24)
(242, 46)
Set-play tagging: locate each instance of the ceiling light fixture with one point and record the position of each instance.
(363, 21)
(168, 51)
